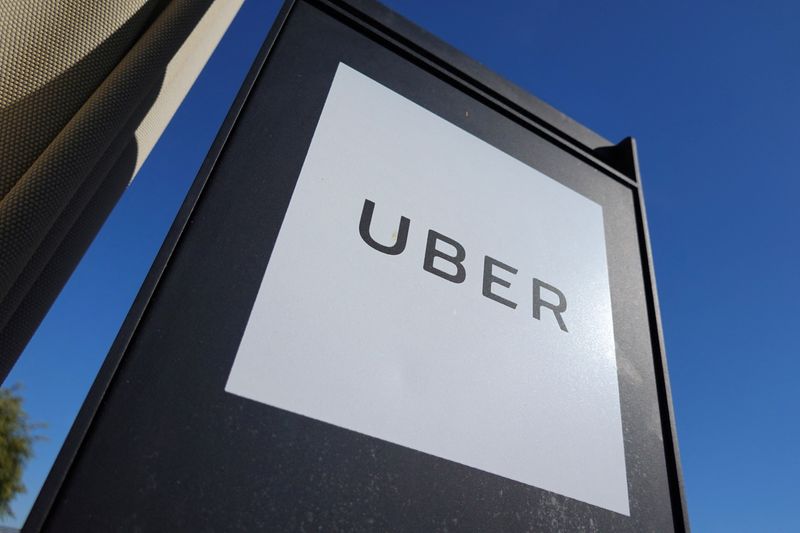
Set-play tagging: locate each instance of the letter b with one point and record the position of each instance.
(431, 253)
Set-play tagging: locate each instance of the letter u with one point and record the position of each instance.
(363, 228)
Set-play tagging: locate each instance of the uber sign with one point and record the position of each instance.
(432, 291)
(402, 295)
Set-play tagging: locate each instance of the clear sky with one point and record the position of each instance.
(710, 90)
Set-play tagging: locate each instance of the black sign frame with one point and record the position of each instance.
(387, 31)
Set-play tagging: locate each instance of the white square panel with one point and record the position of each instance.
(347, 334)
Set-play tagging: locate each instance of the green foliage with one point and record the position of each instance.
(16, 440)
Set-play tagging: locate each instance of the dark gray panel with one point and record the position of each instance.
(170, 450)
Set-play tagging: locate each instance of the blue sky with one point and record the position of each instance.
(710, 90)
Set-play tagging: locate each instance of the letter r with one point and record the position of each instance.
(557, 309)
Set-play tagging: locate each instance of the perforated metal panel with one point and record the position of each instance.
(77, 80)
